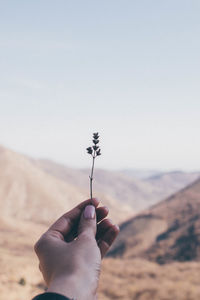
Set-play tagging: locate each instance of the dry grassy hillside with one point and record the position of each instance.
(173, 181)
(126, 279)
(133, 192)
(19, 274)
(168, 231)
(137, 193)
(26, 192)
(29, 193)
(138, 279)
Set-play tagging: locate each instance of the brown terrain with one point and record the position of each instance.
(156, 256)
(169, 231)
(27, 192)
(138, 194)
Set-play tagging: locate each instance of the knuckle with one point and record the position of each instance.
(39, 244)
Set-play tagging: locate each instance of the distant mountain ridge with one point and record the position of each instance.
(40, 190)
(127, 190)
(33, 193)
(27, 192)
(141, 173)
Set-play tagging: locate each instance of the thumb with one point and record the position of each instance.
(87, 222)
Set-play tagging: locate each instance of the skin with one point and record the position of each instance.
(71, 250)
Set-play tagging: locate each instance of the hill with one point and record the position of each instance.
(172, 181)
(127, 279)
(140, 173)
(133, 192)
(31, 196)
(169, 231)
(29, 193)
(128, 190)
(139, 279)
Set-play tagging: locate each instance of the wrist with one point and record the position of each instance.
(71, 287)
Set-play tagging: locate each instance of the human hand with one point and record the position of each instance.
(70, 251)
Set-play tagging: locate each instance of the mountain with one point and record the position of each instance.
(128, 190)
(140, 173)
(29, 193)
(128, 279)
(173, 181)
(31, 197)
(163, 184)
(41, 190)
(168, 231)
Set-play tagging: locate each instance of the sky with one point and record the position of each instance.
(129, 70)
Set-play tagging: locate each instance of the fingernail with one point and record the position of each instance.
(89, 212)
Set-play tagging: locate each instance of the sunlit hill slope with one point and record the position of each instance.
(166, 232)
(156, 255)
(27, 192)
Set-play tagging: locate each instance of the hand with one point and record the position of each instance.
(70, 251)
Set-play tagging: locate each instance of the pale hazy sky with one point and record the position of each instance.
(128, 69)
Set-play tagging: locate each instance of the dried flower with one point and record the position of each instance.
(99, 152)
(95, 142)
(95, 147)
(96, 135)
(94, 151)
(89, 150)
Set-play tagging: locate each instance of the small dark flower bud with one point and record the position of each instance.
(96, 135)
(95, 141)
(95, 147)
(99, 152)
(89, 150)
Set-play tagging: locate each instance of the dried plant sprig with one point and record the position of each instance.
(94, 151)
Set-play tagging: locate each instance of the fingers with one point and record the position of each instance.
(106, 234)
(66, 222)
(101, 213)
(87, 222)
(102, 227)
(107, 239)
(66, 227)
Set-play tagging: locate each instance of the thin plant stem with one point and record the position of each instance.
(94, 151)
(91, 176)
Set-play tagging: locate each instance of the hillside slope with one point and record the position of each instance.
(30, 196)
(133, 192)
(127, 279)
(166, 232)
(137, 193)
(171, 182)
(29, 193)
